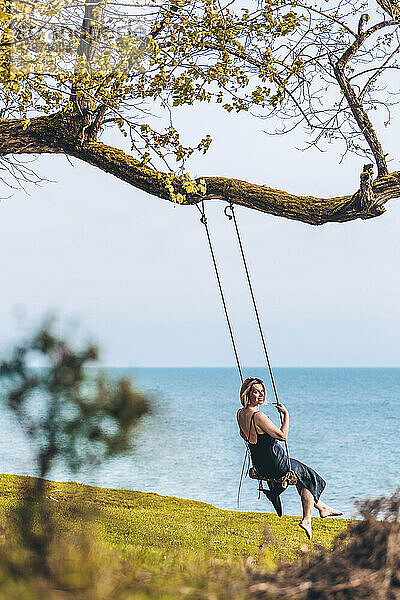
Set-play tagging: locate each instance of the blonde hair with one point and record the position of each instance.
(246, 389)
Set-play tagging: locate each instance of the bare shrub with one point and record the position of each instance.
(364, 562)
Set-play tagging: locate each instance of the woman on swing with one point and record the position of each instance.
(269, 458)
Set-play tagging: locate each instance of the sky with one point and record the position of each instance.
(132, 272)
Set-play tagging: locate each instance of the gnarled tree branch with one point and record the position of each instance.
(53, 134)
(308, 209)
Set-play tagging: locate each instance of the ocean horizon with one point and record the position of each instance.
(345, 424)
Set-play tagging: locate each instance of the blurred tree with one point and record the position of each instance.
(70, 415)
(69, 69)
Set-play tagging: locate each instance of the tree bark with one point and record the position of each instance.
(56, 134)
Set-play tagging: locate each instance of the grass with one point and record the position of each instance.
(157, 527)
(118, 544)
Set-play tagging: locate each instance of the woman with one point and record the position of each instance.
(269, 458)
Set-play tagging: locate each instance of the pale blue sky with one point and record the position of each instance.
(134, 270)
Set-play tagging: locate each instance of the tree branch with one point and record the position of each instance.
(308, 209)
(89, 36)
(37, 136)
(53, 134)
(355, 104)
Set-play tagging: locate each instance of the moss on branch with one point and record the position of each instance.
(60, 133)
(308, 209)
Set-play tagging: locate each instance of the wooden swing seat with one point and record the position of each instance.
(290, 478)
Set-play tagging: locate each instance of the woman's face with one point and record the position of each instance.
(257, 395)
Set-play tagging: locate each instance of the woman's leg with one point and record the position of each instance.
(326, 511)
(307, 502)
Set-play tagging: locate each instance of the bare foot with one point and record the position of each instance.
(306, 525)
(327, 511)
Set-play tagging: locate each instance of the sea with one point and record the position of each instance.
(344, 423)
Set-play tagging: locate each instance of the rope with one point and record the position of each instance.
(231, 217)
(244, 469)
(204, 221)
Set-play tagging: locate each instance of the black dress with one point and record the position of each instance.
(270, 460)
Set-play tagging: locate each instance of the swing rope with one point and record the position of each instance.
(203, 220)
(228, 321)
(232, 217)
(287, 479)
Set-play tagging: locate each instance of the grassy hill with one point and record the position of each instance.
(175, 538)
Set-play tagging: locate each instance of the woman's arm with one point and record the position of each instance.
(268, 427)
